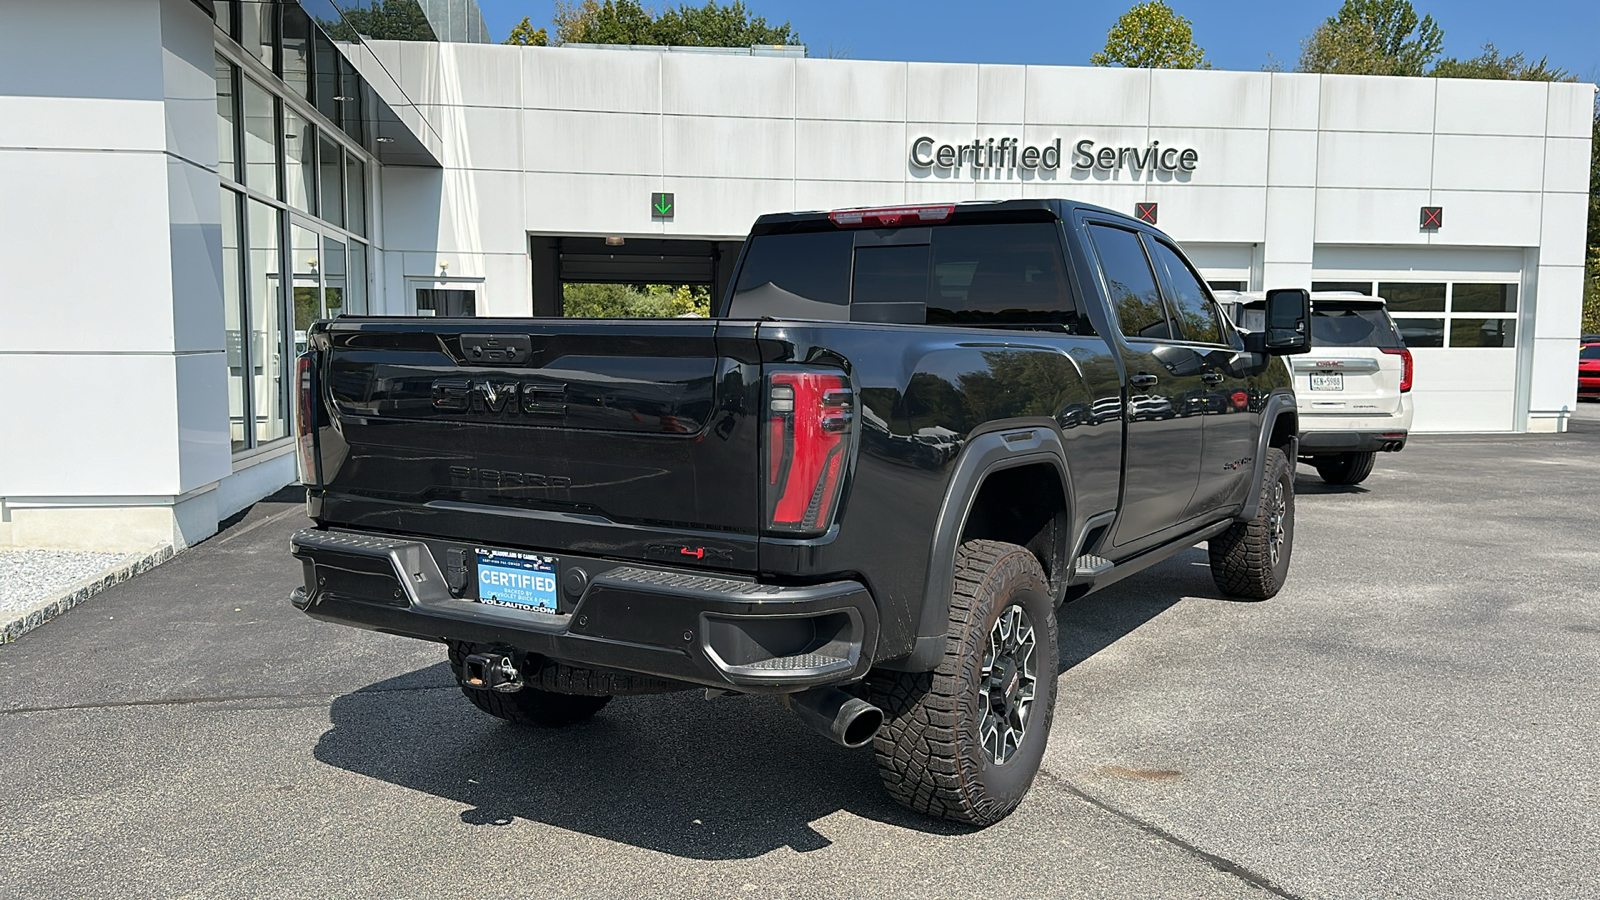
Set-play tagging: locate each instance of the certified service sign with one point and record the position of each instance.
(1010, 154)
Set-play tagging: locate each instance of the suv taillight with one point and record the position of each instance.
(305, 423)
(1406, 366)
(810, 420)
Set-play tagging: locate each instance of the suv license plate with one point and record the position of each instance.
(1333, 381)
(517, 580)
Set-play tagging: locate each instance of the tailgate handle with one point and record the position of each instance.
(496, 349)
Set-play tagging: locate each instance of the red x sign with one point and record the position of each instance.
(1433, 217)
(1145, 212)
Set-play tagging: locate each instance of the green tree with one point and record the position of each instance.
(526, 35)
(1373, 37)
(1490, 64)
(1591, 283)
(628, 22)
(1151, 36)
(385, 20)
(634, 301)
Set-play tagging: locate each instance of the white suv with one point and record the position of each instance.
(1353, 389)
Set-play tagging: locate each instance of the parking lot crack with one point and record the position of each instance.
(1221, 864)
(311, 698)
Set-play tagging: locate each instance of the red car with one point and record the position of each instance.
(1589, 369)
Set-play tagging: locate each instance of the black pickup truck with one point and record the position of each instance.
(864, 487)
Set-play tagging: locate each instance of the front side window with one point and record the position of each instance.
(1198, 319)
(1130, 282)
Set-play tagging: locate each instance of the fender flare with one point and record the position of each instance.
(1278, 405)
(1012, 446)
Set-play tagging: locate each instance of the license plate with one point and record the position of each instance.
(1333, 381)
(517, 580)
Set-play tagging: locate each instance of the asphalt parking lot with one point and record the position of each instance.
(1416, 715)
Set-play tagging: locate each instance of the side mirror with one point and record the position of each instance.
(1288, 320)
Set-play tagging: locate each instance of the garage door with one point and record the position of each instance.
(1458, 312)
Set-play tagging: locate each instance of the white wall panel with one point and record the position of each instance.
(1369, 103)
(595, 204)
(1563, 224)
(1296, 100)
(107, 49)
(718, 85)
(850, 89)
(601, 80)
(63, 123)
(1554, 381)
(1228, 156)
(204, 452)
(1486, 218)
(194, 228)
(942, 92)
(1477, 163)
(845, 194)
(80, 257)
(1354, 216)
(870, 151)
(1290, 227)
(1083, 97)
(189, 85)
(1291, 158)
(1210, 99)
(1476, 106)
(591, 142)
(481, 75)
(508, 284)
(707, 146)
(419, 72)
(63, 452)
(1571, 110)
(1002, 91)
(480, 137)
(948, 191)
(1374, 159)
(725, 207)
(1560, 302)
(1216, 214)
(1566, 164)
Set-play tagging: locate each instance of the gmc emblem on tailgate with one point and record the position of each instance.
(529, 398)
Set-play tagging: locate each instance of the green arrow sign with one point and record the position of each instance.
(662, 205)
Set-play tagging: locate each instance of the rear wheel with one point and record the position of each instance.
(964, 741)
(1344, 468)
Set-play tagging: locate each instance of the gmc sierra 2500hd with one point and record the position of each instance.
(864, 487)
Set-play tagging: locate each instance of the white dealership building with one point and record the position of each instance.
(184, 184)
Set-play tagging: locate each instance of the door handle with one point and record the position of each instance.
(1143, 381)
(1212, 378)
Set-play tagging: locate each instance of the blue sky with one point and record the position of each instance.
(1237, 34)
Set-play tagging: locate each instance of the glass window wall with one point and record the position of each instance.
(269, 367)
(260, 139)
(291, 185)
(1444, 314)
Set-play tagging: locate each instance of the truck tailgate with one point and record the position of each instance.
(627, 438)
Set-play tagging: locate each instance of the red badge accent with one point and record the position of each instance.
(697, 553)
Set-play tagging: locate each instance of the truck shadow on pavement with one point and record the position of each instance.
(731, 778)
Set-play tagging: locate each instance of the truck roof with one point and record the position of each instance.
(965, 211)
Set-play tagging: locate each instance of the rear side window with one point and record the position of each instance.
(1352, 325)
(1131, 282)
(799, 276)
(1003, 274)
(1197, 315)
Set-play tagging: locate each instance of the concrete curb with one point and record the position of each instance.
(19, 624)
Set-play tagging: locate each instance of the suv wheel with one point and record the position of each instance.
(1251, 559)
(964, 741)
(1344, 468)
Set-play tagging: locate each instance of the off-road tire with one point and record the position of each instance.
(1242, 558)
(1344, 468)
(930, 755)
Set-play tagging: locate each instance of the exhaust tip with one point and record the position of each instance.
(845, 720)
(860, 730)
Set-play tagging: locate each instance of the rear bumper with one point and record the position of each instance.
(1313, 442)
(672, 624)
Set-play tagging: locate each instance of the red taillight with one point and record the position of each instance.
(891, 217)
(305, 425)
(1406, 366)
(810, 417)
